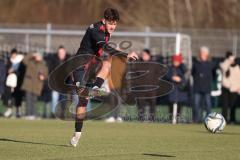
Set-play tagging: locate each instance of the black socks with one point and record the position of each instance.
(83, 102)
(78, 125)
(99, 81)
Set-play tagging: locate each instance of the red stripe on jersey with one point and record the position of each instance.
(100, 50)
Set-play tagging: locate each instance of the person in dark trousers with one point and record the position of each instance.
(13, 95)
(53, 61)
(36, 73)
(116, 85)
(151, 102)
(230, 86)
(202, 73)
(176, 76)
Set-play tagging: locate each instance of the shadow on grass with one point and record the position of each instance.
(114, 155)
(221, 133)
(158, 155)
(229, 133)
(27, 142)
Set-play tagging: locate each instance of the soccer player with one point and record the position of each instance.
(95, 43)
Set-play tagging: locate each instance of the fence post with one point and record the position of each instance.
(147, 38)
(178, 44)
(48, 37)
(174, 114)
(164, 50)
(27, 43)
(235, 45)
(177, 52)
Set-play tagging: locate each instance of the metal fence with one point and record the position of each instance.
(161, 41)
(49, 39)
(218, 40)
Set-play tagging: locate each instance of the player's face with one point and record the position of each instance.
(110, 26)
(37, 57)
(146, 57)
(204, 55)
(61, 54)
(176, 63)
(13, 55)
(232, 59)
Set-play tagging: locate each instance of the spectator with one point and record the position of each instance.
(54, 61)
(230, 86)
(115, 81)
(13, 94)
(151, 102)
(202, 73)
(176, 76)
(36, 73)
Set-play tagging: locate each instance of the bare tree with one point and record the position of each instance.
(190, 12)
(209, 9)
(172, 12)
(139, 13)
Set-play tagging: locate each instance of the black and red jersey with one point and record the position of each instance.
(95, 38)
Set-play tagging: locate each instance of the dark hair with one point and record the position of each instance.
(147, 51)
(61, 47)
(228, 54)
(14, 50)
(111, 14)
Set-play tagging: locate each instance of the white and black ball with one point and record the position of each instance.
(215, 122)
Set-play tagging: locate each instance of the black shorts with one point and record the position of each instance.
(86, 75)
(78, 75)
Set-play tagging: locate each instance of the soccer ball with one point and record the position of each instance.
(214, 122)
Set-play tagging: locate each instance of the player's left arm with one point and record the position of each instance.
(112, 51)
(101, 43)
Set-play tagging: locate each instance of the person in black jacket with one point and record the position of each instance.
(53, 61)
(202, 73)
(176, 75)
(13, 94)
(151, 102)
(95, 42)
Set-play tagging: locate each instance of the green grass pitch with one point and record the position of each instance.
(49, 140)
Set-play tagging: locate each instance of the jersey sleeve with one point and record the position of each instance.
(97, 36)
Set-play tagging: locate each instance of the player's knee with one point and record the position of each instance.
(106, 65)
(81, 116)
(81, 113)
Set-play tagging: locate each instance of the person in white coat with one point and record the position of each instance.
(230, 86)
